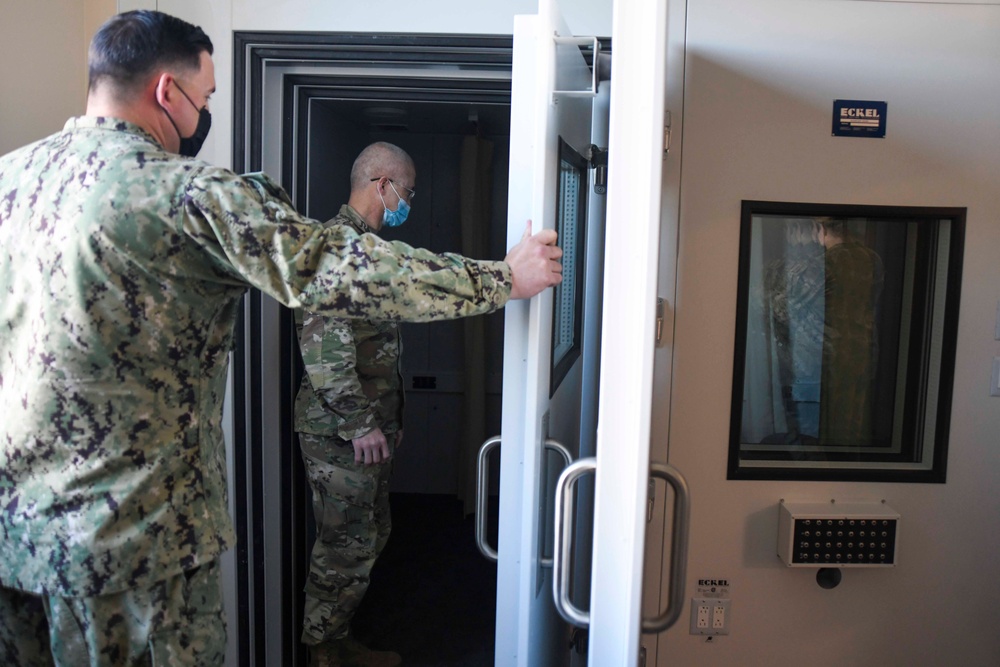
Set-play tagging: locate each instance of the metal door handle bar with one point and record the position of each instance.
(482, 496)
(557, 447)
(564, 540)
(678, 547)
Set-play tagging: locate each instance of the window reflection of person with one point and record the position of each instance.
(794, 287)
(853, 284)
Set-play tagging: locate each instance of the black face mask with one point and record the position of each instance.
(191, 145)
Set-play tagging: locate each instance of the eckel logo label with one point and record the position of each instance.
(713, 582)
(859, 113)
(859, 118)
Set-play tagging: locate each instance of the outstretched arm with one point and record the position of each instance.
(249, 226)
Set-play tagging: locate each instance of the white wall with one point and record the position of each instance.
(760, 79)
(43, 46)
(429, 16)
(219, 18)
(43, 65)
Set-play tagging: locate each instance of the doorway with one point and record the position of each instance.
(307, 103)
(432, 596)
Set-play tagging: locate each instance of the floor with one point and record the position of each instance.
(433, 595)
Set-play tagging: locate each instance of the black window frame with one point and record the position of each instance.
(916, 386)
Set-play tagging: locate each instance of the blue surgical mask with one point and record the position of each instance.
(397, 217)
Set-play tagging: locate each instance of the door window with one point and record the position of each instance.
(845, 341)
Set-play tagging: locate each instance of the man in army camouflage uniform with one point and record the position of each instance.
(348, 414)
(122, 268)
(854, 277)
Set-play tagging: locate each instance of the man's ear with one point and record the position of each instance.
(162, 90)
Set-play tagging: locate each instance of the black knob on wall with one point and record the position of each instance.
(828, 577)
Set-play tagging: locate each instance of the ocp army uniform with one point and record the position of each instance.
(351, 385)
(122, 267)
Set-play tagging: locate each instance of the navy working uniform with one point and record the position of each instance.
(122, 267)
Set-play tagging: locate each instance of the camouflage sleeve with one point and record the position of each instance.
(251, 229)
(330, 360)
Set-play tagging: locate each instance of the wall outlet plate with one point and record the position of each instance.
(710, 616)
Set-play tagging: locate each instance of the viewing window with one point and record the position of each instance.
(845, 342)
(571, 217)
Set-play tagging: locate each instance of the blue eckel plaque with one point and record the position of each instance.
(859, 118)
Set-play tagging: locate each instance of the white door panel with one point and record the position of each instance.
(635, 170)
(528, 630)
(793, 60)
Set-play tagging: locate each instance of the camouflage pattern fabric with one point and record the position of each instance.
(854, 280)
(351, 505)
(352, 381)
(178, 621)
(122, 267)
(351, 384)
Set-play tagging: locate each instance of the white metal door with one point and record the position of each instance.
(745, 68)
(635, 173)
(528, 630)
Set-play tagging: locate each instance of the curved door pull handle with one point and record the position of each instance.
(564, 541)
(482, 497)
(678, 547)
(557, 447)
(482, 493)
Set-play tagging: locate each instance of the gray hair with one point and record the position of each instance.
(377, 160)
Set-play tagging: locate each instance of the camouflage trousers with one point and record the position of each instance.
(351, 506)
(176, 622)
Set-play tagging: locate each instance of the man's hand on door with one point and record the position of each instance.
(534, 263)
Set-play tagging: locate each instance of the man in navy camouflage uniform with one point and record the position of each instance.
(348, 414)
(122, 267)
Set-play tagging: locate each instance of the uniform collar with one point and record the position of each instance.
(355, 220)
(107, 123)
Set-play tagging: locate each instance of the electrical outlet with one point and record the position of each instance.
(718, 617)
(702, 616)
(710, 616)
(701, 613)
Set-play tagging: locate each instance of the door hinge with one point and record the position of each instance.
(666, 133)
(650, 497)
(642, 656)
(598, 158)
(659, 320)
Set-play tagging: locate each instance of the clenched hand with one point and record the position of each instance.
(371, 448)
(534, 263)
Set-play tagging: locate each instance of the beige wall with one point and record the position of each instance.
(759, 84)
(43, 64)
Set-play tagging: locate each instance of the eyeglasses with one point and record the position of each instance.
(410, 194)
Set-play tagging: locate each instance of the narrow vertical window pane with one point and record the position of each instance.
(571, 212)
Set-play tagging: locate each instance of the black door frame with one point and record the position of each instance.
(263, 614)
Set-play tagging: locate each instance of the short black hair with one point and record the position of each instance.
(131, 46)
